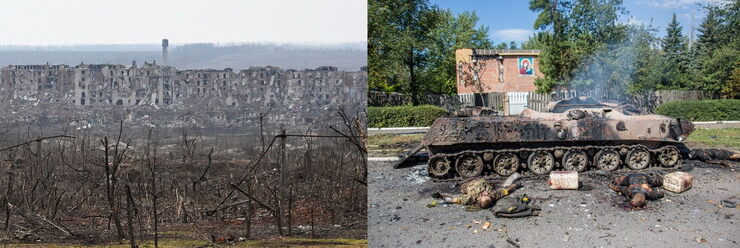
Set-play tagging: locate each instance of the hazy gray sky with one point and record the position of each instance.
(68, 22)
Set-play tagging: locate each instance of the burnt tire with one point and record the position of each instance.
(607, 160)
(506, 164)
(469, 165)
(439, 167)
(576, 160)
(669, 156)
(541, 162)
(638, 158)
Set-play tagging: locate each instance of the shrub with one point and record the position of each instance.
(707, 110)
(404, 116)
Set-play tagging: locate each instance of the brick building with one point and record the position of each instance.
(482, 71)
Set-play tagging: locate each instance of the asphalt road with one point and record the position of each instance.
(591, 217)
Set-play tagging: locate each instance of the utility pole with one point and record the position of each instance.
(282, 137)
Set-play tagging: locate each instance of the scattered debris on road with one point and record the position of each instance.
(729, 204)
(677, 182)
(563, 180)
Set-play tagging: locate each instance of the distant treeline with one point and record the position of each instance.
(583, 43)
(350, 56)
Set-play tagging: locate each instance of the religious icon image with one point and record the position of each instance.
(525, 66)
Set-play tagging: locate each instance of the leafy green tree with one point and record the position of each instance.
(579, 40)
(452, 33)
(647, 59)
(710, 36)
(535, 42)
(717, 53)
(731, 88)
(411, 46)
(604, 53)
(731, 29)
(557, 58)
(675, 63)
(397, 44)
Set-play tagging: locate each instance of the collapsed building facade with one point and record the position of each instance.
(157, 95)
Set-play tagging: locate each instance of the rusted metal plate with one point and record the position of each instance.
(532, 126)
(409, 157)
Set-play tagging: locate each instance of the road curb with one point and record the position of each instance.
(382, 159)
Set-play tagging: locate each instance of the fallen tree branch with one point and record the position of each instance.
(38, 219)
(37, 140)
(253, 199)
(251, 167)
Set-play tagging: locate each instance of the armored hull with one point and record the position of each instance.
(577, 138)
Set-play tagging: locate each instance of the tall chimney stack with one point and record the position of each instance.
(165, 44)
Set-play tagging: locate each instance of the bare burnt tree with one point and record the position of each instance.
(104, 186)
(470, 74)
(150, 160)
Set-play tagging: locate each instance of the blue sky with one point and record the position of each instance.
(511, 20)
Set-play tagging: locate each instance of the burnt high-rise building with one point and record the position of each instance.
(165, 44)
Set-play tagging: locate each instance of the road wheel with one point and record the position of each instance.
(575, 160)
(541, 162)
(638, 158)
(506, 164)
(439, 166)
(607, 160)
(669, 156)
(469, 165)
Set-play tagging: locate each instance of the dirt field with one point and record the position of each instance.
(591, 217)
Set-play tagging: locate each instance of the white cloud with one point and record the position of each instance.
(511, 35)
(634, 21)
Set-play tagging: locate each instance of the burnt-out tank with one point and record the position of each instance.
(577, 134)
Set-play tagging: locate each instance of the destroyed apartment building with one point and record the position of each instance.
(157, 95)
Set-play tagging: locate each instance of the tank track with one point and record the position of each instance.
(591, 151)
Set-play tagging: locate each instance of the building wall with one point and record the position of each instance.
(151, 84)
(221, 97)
(28, 81)
(498, 71)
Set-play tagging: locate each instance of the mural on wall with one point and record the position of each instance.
(526, 66)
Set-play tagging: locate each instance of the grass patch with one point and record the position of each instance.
(302, 242)
(729, 137)
(167, 243)
(390, 141)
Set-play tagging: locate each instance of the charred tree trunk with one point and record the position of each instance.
(290, 216)
(110, 184)
(281, 187)
(8, 195)
(130, 217)
(412, 78)
(151, 160)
